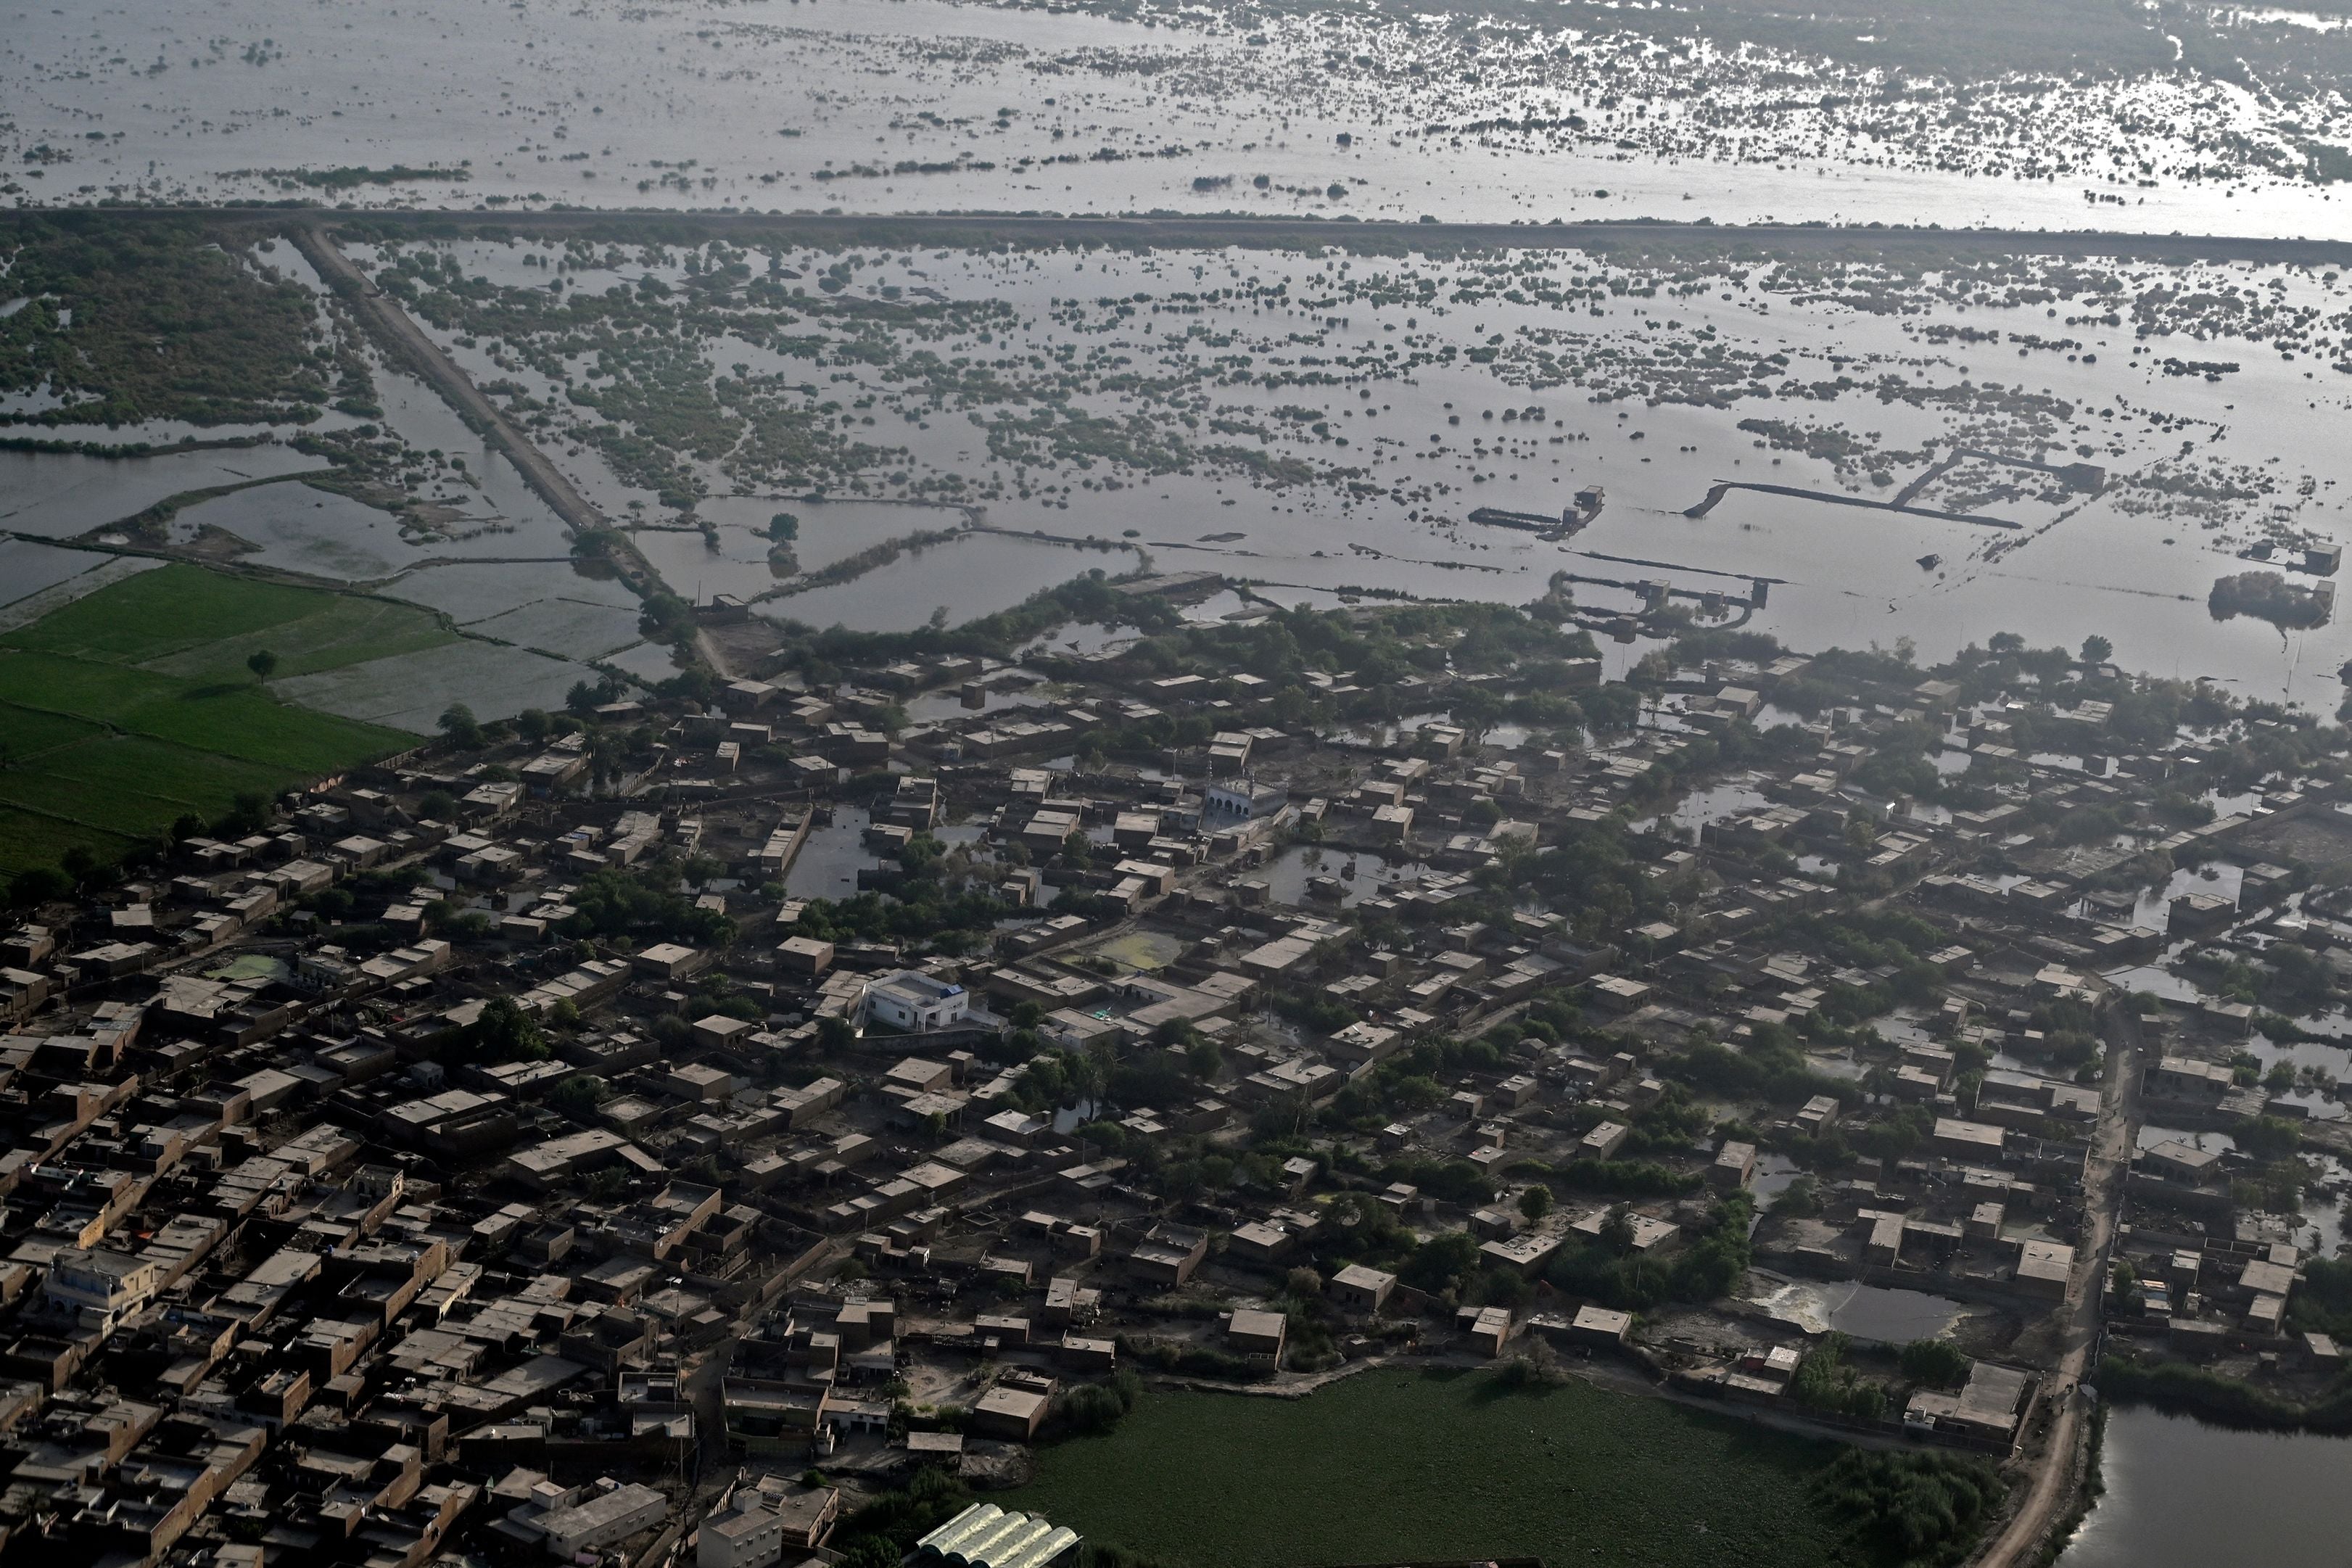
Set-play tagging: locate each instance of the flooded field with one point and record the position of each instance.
(317, 532)
(410, 690)
(950, 582)
(1119, 105)
(1309, 874)
(60, 495)
(36, 578)
(1839, 452)
(1893, 453)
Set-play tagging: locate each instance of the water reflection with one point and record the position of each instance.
(1862, 1311)
(2181, 1494)
(830, 857)
(972, 575)
(57, 495)
(1309, 873)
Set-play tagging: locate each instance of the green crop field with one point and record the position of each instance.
(1394, 1466)
(125, 783)
(201, 626)
(125, 710)
(27, 841)
(235, 719)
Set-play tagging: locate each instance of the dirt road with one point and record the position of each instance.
(2057, 1471)
(404, 340)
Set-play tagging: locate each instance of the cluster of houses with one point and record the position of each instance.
(368, 1196)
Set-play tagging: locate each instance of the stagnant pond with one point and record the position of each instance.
(2181, 1494)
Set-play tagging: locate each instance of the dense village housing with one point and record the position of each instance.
(664, 1129)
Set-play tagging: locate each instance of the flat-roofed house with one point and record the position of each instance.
(1356, 1288)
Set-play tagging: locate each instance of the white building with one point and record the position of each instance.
(1245, 797)
(910, 1000)
(986, 1536)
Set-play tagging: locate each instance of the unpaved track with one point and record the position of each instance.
(2057, 1475)
(407, 342)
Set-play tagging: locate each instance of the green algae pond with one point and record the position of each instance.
(1392, 1466)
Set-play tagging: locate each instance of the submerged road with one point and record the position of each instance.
(405, 343)
(1180, 231)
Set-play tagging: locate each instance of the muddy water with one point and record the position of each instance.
(1359, 874)
(965, 578)
(1862, 1311)
(60, 495)
(1841, 574)
(300, 529)
(2181, 1494)
(703, 103)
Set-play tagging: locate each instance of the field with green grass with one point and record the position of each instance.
(1390, 1465)
(125, 710)
(196, 625)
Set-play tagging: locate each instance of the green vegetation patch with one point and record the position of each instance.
(351, 177)
(127, 784)
(202, 626)
(149, 319)
(238, 721)
(26, 736)
(99, 755)
(1393, 1466)
(29, 842)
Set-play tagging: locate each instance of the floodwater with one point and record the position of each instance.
(1700, 809)
(947, 704)
(1148, 951)
(920, 105)
(923, 105)
(832, 531)
(1860, 1311)
(552, 607)
(738, 558)
(1425, 425)
(478, 591)
(698, 573)
(966, 577)
(566, 627)
(60, 495)
(1775, 1173)
(2181, 1494)
(1289, 874)
(412, 691)
(648, 661)
(498, 515)
(318, 533)
(831, 857)
(29, 567)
